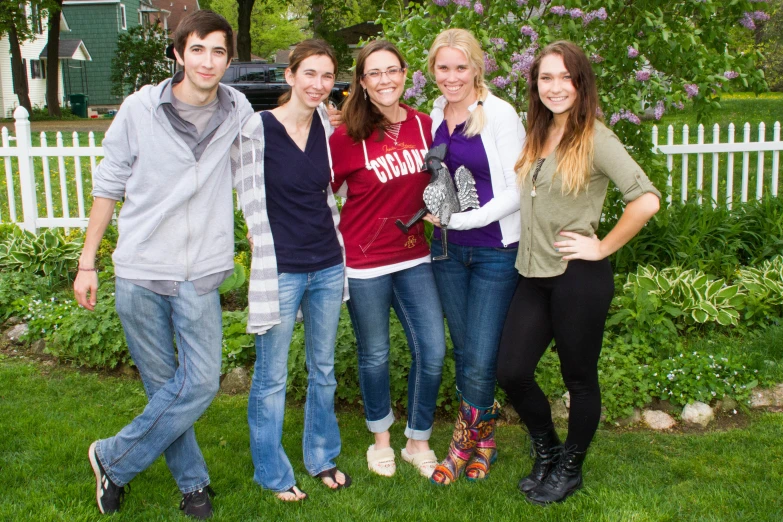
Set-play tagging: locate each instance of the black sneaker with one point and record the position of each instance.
(196, 504)
(108, 495)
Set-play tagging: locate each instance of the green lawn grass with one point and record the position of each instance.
(50, 415)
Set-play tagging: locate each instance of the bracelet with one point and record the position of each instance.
(86, 269)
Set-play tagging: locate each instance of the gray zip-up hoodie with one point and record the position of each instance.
(176, 223)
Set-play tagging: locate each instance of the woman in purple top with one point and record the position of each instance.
(477, 280)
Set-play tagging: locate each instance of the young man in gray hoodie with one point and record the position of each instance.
(167, 154)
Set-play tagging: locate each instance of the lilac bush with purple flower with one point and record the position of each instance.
(644, 54)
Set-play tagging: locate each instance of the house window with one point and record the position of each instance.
(37, 69)
(35, 19)
(123, 19)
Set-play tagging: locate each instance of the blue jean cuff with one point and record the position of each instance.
(380, 426)
(200, 485)
(106, 468)
(282, 490)
(474, 405)
(418, 434)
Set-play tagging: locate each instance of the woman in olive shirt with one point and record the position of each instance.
(566, 283)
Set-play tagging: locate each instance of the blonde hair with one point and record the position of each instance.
(464, 41)
(575, 150)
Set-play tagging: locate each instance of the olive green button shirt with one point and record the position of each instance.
(550, 211)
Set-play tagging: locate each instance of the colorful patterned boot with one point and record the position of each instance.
(463, 444)
(486, 452)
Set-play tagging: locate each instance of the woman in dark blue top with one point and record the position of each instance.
(310, 275)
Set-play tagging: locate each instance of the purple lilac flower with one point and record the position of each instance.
(659, 110)
(576, 13)
(640, 34)
(500, 82)
(730, 75)
(529, 31)
(490, 65)
(642, 76)
(521, 63)
(747, 22)
(596, 58)
(691, 89)
(419, 80)
(558, 10)
(679, 105)
(500, 43)
(759, 16)
(478, 8)
(632, 53)
(462, 3)
(624, 115)
(520, 3)
(441, 3)
(599, 14)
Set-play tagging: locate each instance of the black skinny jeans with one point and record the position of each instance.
(571, 309)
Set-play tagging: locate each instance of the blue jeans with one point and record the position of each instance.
(413, 295)
(476, 285)
(179, 384)
(320, 295)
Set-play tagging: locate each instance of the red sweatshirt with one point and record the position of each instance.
(390, 189)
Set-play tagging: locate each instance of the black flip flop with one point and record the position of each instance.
(332, 474)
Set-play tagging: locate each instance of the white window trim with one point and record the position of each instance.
(123, 18)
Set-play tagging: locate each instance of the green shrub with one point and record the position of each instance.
(88, 339)
(716, 241)
(694, 376)
(764, 287)
(15, 286)
(49, 253)
(238, 346)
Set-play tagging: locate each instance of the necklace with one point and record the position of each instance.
(535, 176)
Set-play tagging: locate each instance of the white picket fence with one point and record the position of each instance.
(714, 151)
(28, 180)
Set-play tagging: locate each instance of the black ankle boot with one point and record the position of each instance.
(565, 478)
(546, 447)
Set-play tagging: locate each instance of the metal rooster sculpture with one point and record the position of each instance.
(441, 197)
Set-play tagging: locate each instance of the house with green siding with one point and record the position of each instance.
(98, 23)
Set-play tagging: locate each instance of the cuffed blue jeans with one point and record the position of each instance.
(413, 295)
(320, 296)
(179, 384)
(476, 285)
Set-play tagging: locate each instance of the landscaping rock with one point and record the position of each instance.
(38, 346)
(777, 395)
(658, 420)
(567, 399)
(11, 321)
(761, 398)
(510, 414)
(633, 418)
(236, 381)
(698, 413)
(559, 410)
(16, 332)
(727, 404)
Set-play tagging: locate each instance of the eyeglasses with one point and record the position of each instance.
(392, 72)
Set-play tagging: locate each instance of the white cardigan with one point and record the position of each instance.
(502, 137)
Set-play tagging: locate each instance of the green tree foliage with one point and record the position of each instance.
(275, 24)
(653, 55)
(140, 59)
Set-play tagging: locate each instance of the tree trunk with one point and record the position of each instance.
(318, 18)
(19, 71)
(53, 62)
(245, 8)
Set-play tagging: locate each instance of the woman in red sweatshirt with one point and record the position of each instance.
(378, 155)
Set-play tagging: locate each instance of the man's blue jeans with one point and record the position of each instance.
(320, 296)
(179, 384)
(476, 285)
(414, 297)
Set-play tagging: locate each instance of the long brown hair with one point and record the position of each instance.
(575, 151)
(360, 115)
(464, 41)
(302, 51)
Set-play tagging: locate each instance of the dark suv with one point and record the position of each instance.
(263, 83)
